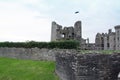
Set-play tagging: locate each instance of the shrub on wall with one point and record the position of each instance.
(68, 44)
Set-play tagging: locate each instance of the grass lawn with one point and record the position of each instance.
(14, 69)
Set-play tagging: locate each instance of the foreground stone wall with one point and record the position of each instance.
(31, 53)
(28, 53)
(90, 66)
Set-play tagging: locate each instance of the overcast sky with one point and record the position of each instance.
(23, 20)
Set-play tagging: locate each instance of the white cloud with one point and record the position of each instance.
(18, 23)
(31, 19)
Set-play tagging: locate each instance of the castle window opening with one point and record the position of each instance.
(108, 45)
(73, 34)
(69, 36)
(118, 38)
(117, 32)
(63, 35)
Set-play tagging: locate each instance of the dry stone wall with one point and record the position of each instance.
(90, 66)
(28, 53)
(31, 53)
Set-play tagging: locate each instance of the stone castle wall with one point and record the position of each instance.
(31, 53)
(73, 66)
(28, 53)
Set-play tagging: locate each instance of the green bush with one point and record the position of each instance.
(68, 44)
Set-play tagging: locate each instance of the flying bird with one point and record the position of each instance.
(76, 12)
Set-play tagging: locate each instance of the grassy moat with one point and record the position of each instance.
(14, 69)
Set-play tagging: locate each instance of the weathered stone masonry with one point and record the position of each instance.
(73, 66)
(69, 64)
(31, 53)
(108, 41)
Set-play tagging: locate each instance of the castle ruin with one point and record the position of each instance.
(69, 33)
(108, 41)
(103, 41)
(66, 33)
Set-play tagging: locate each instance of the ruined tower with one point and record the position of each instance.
(67, 33)
(99, 41)
(70, 33)
(56, 31)
(78, 31)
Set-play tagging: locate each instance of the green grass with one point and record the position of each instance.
(13, 69)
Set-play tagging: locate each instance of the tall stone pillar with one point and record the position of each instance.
(78, 31)
(53, 31)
